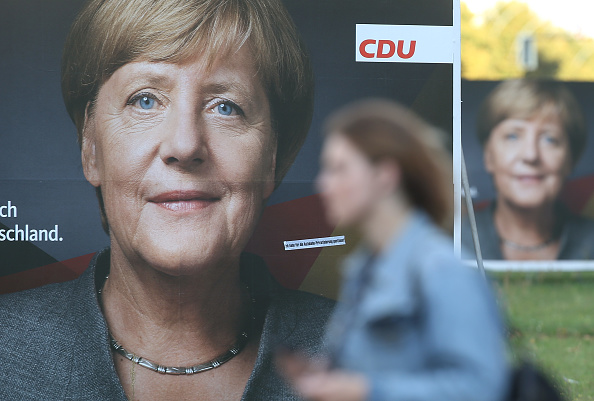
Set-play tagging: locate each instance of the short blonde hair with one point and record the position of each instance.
(382, 129)
(524, 98)
(110, 33)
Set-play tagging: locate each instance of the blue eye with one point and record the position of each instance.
(146, 102)
(551, 140)
(225, 109)
(511, 136)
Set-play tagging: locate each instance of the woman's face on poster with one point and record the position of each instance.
(185, 158)
(529, 159)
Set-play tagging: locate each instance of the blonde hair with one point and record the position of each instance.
(110, 33)
(525, 98)
(383, 129)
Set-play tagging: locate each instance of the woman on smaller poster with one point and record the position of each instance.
(533, 134)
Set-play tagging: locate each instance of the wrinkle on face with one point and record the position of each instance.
(184, 142)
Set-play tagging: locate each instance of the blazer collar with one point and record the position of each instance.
(92, 361)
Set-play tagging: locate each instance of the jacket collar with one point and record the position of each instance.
(92, 361)
(392, 288)
(91, 357)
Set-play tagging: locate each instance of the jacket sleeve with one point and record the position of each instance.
(463, 338)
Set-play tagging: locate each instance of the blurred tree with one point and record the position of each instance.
(489, 46)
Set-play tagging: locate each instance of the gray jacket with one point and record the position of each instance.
(420, 325)
(575, 233)
(54, 340)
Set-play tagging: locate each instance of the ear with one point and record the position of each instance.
(389, 175)
(89, 152)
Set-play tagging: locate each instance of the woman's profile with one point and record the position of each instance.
(413, 323)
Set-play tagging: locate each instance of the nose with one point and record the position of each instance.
(321, 181)
(184, 142)
(530, 149)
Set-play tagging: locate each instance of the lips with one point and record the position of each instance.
(184, 201)
(529, 178)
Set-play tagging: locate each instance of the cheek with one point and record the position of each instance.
(340, 187)
(351, 193)
(247, 165)
(124, 150)
(254, 160)
(124, 161)
(557, 162)
(125, 170)
(247, 174)
(498, 157)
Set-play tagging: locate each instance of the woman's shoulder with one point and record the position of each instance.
(35, 305)
(305, 303)
(46, 310)
(294, 317)
(422, 249)
(439, 268)
(36, 325)
(45, 331)
(298, 319)
(263, 285)
(577, 238)
(489, 239)
(434, 245)
(36, 333)
(583, 224)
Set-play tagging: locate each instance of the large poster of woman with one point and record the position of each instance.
(157, 167)
(50, 222)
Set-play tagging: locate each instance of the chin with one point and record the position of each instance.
(530, 202)
(344, 221)
(182, 255)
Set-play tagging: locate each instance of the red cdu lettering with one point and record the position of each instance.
(411, 49)
(391, 48)
(362, 47)
(387, 48)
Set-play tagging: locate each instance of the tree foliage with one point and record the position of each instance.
(489, 46)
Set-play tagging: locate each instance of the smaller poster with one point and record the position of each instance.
(529, 152)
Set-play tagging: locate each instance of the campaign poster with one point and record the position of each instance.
(405, 50)
(528, 146)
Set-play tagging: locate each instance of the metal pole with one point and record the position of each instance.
(470, 209)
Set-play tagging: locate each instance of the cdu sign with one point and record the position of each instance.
(405, 43)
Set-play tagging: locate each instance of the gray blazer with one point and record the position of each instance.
(576, 235)
(418, 324)
(54, 340)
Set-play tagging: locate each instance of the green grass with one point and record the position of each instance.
(552, 319)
